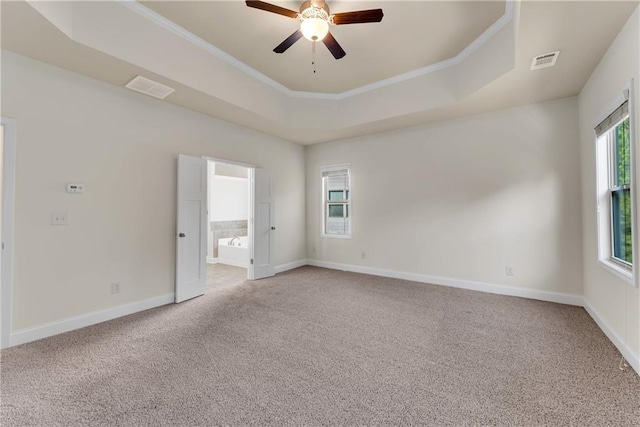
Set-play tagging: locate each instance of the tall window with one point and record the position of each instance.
(336, 201)
(620, 192)
(615, 211)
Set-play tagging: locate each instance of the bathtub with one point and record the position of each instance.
(234, 254)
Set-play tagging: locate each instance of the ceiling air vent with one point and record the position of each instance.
(149, 87)
(544, 61)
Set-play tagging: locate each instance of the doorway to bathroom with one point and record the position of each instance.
(193, 224)
(228, 252)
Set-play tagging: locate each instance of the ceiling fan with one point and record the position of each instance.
(315, 19)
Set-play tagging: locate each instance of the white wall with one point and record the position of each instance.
(462, 199)
(123, 146)
(229, 199)
(614, 301)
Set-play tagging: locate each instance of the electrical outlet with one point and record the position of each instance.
(509, 271)
(115, 287)
(313, 249)
(59, 218)
(363, 255)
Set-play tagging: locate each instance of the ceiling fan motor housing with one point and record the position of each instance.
(316, 4)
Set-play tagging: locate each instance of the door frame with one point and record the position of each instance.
(251, 189)
(8, 202)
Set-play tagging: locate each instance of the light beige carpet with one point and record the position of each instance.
(321, 347)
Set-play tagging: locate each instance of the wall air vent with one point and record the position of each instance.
(149, 87)
(544, 61)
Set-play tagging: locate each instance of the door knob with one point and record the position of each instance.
(273, 228)
(182, 235)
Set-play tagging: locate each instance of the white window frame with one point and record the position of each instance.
(325, 202)
(604, 170)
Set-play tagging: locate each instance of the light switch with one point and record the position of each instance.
(59, 218)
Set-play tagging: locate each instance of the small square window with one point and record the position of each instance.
(336, 197)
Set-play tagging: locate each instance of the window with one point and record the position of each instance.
(615, 211)
(620, 189)
(336, 201)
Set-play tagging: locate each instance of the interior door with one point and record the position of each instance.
(191, 250)
(263, 225)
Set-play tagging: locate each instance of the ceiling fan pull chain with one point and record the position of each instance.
(313, 56)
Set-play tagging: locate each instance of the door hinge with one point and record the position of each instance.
(251, 261)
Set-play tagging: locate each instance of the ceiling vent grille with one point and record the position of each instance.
(149, 87)
(544, 61)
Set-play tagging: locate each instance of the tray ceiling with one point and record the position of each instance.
(581, 30)
(412, 35)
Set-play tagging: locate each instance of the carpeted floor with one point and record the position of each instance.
(321, 347)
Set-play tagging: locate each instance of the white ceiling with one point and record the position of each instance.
(412, 35)
(581, 30)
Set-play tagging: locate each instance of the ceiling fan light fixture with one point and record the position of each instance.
(314, 29)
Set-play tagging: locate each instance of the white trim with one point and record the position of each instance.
(335, 236)
(629, 354)
(220, 54)
(617, 270)
(234, 263)
(76, 322)
(8, 200)
(629, 94)
(229, 178)
(335, 168)
(339, 167)
(603, 207)
(291, 265)
(542, 295)
(228, 162)
(211, 161)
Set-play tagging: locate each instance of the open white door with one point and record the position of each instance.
(7, 194)
(191, 236)
(262, 235)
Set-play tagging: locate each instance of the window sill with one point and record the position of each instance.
(336, 236)
(625, 274)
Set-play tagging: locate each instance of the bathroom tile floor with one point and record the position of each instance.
(220, 276)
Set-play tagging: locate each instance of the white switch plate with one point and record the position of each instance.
(75, 188)
(59, 218)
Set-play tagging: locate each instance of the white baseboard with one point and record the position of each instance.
(34, 333)
(76, 322)
(629, 354)
(537, 294)
(291, 265)
(45, 330)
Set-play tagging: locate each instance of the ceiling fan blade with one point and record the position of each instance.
(272, 8)
(288, 42)
(333, 46)
(358, 17)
